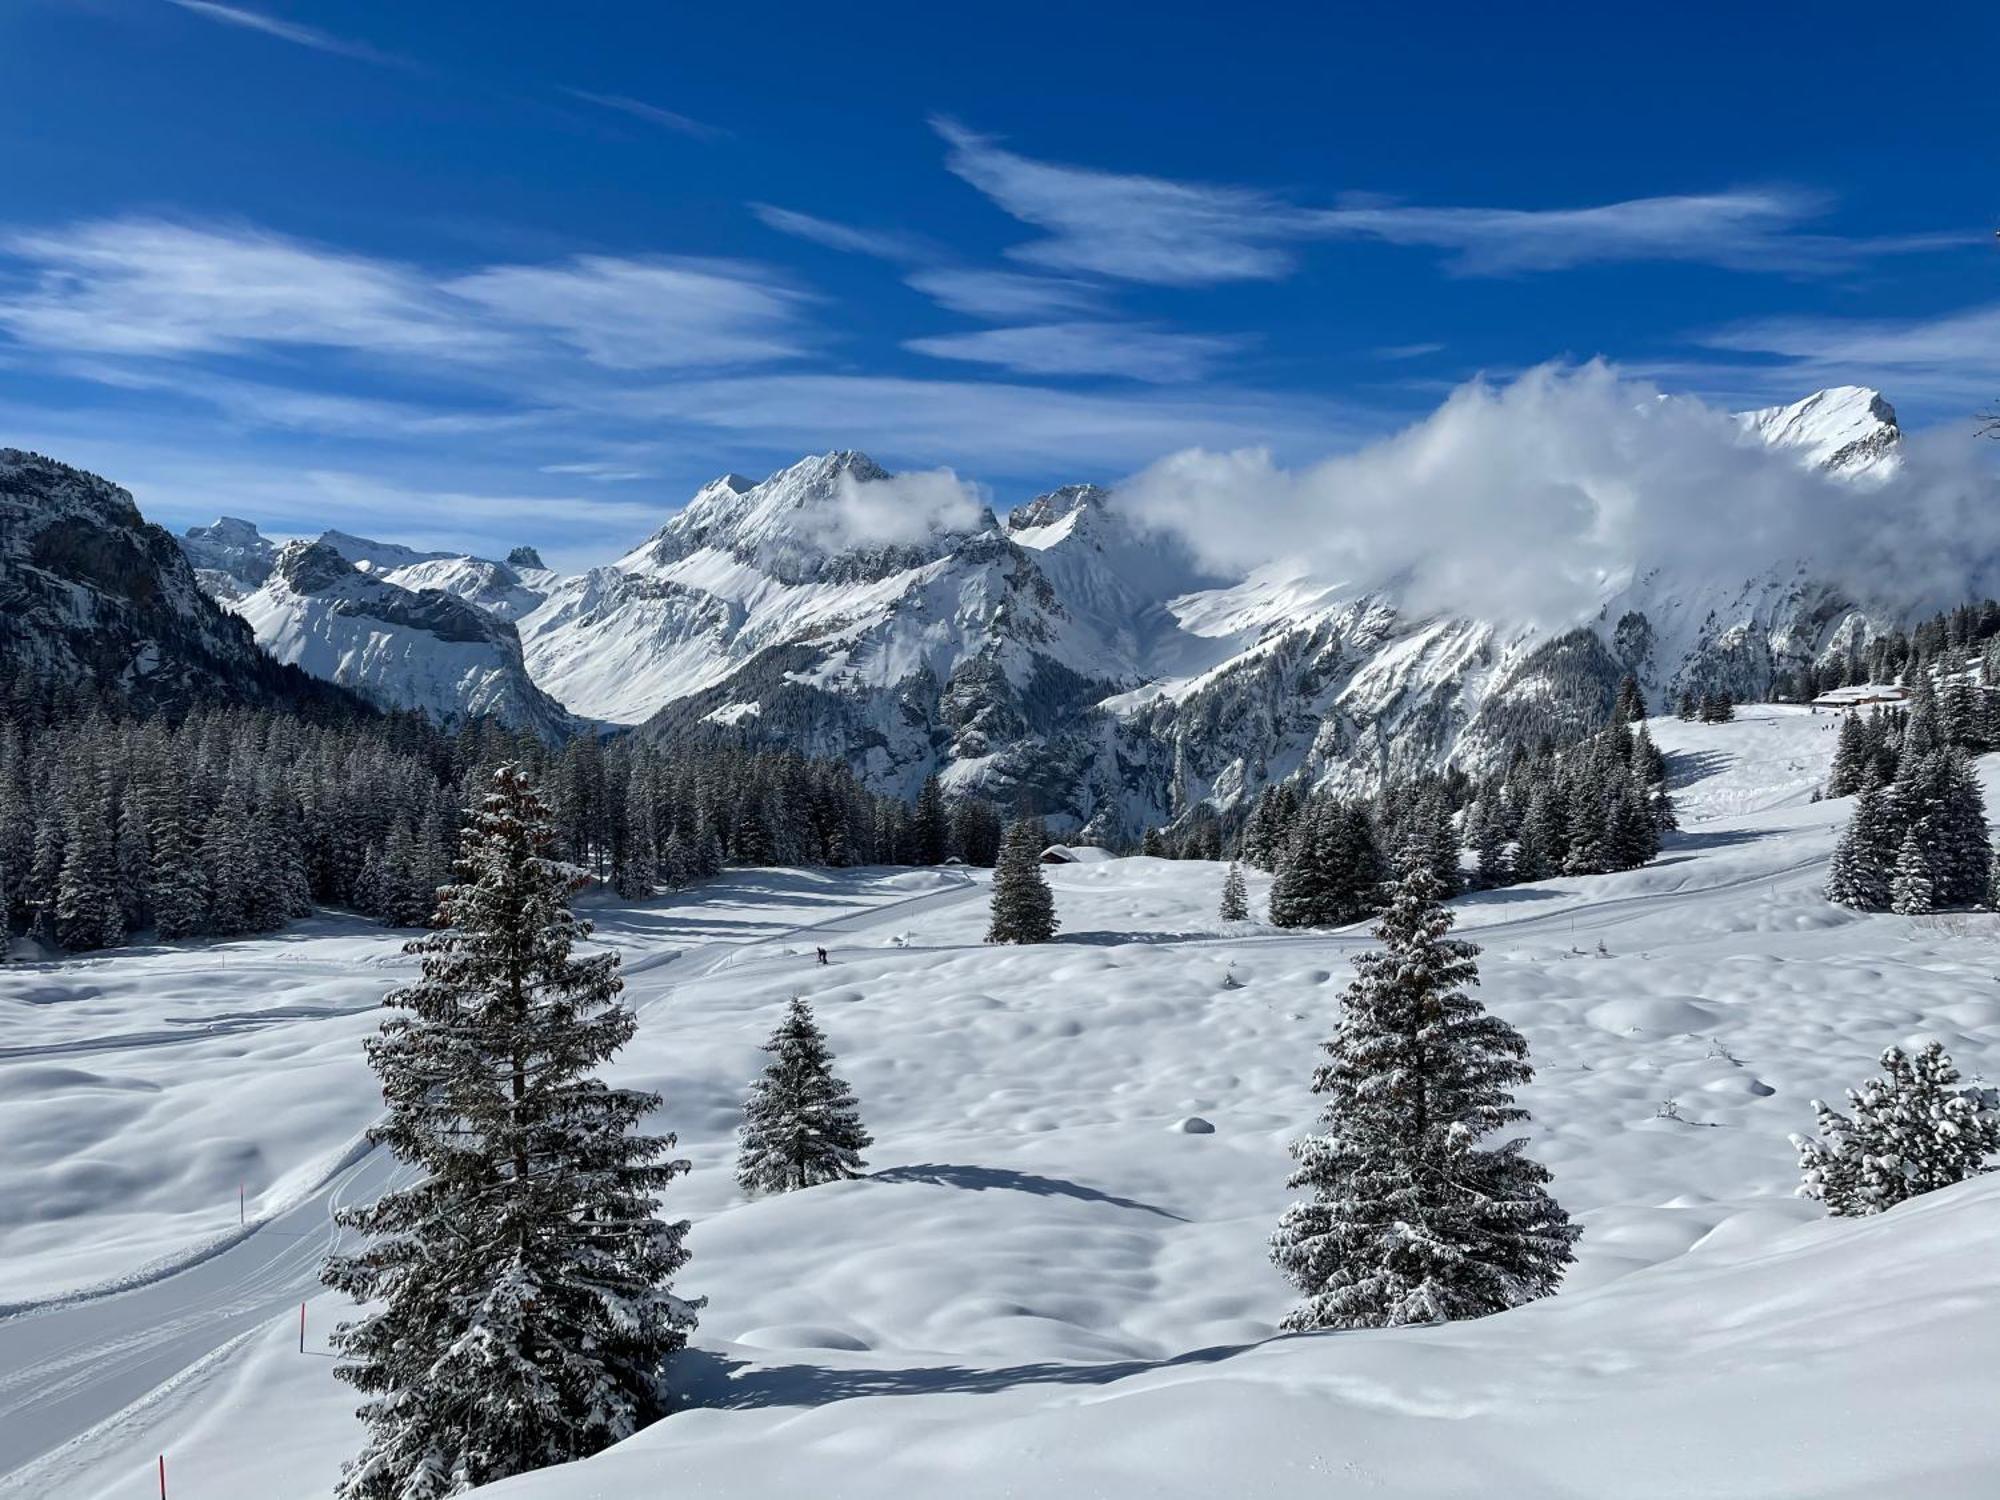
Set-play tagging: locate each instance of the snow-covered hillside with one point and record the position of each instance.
(1050, 1283)
(417, 647)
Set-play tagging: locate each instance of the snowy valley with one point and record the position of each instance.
(1053, 1277)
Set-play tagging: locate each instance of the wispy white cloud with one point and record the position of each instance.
(1134, 350)
(604, 471)
(290, 31)
(154, 288)
(657, 313)
(884, 244)
(1004, 296)
(999, 426)
(652, 114)
(1127, 226)
(1951, 359)
(1751, 230)
(1155, 230)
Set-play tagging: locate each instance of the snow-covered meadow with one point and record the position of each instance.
(1055, 1280)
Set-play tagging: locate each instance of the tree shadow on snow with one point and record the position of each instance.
(1721, 839)
(979, 1179)
(1506, 895)
(1686, 767)
(1108, 939)
(706, 1379)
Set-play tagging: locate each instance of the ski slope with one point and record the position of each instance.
(1049, 1284)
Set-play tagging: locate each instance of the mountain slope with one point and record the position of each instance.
(93, 593)
(421, 648)
(1070, 664)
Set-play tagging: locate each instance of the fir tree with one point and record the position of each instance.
(1235, 896)
(1864, 860)
(801, 1125)
(1911, 1131)
(1910, 887)
(1411, 1220)
(523, 1285)
(1630, 706)
(930, 825)
(87, 909)
(1851, 759)
(1024, 910)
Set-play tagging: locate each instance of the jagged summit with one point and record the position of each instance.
(230, 555)
(798, 525)
(310, 567)
(1848, 429)
(1046, 510)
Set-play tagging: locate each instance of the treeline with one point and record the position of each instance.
(1964, 637)
(1917, 840)
(231, 821)
(1600, 804)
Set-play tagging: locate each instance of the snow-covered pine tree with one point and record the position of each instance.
(1630, 705)
(1542, 847)
(1024, 910)
(930, 824)
(1911, 887)
(1310, 889)
(801, 1125)
(1410, 1219)
(87, 909)
(1864, 860)
(1852, 758)
(1235, 896)
(1910, 1132)
(523, 1305)
(1494, 856)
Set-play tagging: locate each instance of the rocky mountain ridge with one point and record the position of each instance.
(1066, 661)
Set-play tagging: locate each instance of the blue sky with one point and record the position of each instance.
(472, 274)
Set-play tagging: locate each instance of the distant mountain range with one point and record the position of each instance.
(1060, 659)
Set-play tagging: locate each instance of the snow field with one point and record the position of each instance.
(1047, 1288)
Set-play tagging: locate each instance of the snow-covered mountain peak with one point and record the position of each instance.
(377, 557)
(1846, 429)
(1057, 505)
(310, 567)
(230, 556)
(804, 523)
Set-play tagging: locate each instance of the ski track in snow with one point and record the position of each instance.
(1046, 1287)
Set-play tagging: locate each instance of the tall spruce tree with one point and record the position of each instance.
(801, 1125)
(1911, 887)
(1024, 909)
(1410, 1218)
(1864, 859)
(522, 1295)
(1235, 896)
(1911, 1131)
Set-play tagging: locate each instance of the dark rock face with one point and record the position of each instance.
(93, 593)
